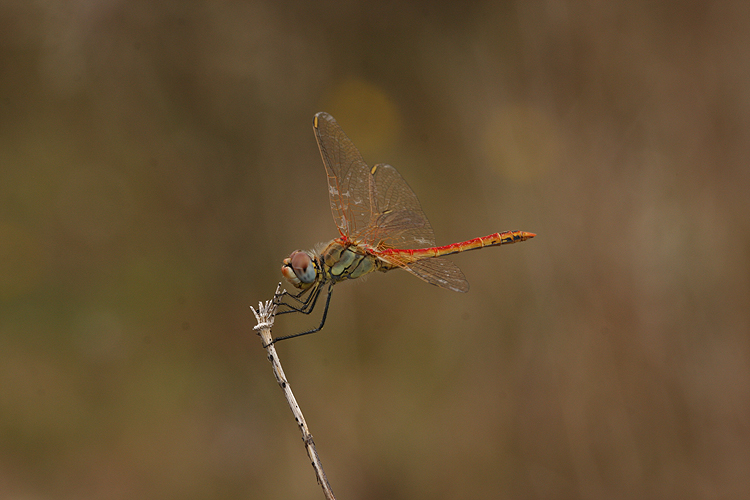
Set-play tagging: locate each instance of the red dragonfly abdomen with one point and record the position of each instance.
(464, 246)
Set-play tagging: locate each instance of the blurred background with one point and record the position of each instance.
(157, 162)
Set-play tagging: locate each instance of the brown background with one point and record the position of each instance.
(157, 162)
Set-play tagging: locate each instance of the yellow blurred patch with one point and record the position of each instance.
(367, 114)
(22, 261)
(522, 142)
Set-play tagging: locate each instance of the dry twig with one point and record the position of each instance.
(265, 316)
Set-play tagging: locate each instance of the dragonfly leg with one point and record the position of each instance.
(305, 306)
(322, 321)
(279, 296)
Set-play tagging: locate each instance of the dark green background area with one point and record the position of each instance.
(157, 162)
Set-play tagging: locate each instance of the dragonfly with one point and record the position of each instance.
(381, 227)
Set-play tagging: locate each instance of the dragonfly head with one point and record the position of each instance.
(300, 269)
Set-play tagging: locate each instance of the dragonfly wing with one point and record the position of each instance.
(348, 176)
(439, 272)
(397, 219)
(374, 206)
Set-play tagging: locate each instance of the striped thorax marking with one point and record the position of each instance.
(344, 262)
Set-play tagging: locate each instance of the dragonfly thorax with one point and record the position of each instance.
(344, 260)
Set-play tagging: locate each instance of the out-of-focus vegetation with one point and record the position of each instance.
(157, 163)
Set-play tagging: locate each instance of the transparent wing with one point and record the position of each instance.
(397, 219)
(348, 176)
(439, 272)
(374, 206)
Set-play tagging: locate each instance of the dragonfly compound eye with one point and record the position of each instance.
(291, 271)
(303, 267)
